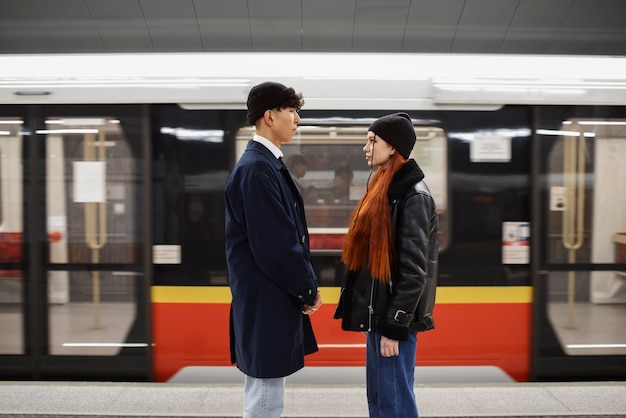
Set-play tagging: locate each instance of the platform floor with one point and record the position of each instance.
(89, 399)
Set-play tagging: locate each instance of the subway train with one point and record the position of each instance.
(112, 176)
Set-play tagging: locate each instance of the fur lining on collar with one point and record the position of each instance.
(408, 175)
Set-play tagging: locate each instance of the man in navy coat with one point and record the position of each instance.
(272, 282)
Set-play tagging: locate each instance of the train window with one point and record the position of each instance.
(586, 213)
(191, 151)
(11, 234)
(91, 191)
(586, 224)
(10, 175)
(327, 161)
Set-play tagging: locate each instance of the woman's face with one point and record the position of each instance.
(377, 151)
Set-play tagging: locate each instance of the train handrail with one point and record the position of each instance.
(573, 214)
(95, 232)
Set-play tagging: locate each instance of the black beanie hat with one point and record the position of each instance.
(397, 130)
(264, 96)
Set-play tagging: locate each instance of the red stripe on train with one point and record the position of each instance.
(493, 334)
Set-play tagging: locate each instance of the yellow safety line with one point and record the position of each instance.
(445, 294)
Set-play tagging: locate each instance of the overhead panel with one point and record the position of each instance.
(328, 32)
(483, 26)
(121, 25)
(380, 26)
(224, 25)
(68, 24)
(534, 26)
(276, 25)
(172, 25)
(595, 27)
(21, 30)
(431, 25)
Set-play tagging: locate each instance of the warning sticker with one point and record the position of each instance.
(515, 242)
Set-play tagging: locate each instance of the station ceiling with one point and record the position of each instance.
(572, 27)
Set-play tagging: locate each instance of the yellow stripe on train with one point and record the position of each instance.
(445, 294)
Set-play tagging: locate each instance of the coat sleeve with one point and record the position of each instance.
(411, 265)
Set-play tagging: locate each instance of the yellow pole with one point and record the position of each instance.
(95, 222)
(573, 215)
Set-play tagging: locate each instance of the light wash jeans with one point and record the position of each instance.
(263, 398)
(390, 379)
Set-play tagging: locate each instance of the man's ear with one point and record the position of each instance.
(269, 119)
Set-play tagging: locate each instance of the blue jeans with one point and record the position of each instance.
(263, 398)
(390, 379)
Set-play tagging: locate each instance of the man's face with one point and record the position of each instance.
(286, 122)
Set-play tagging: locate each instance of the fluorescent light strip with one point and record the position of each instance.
(601, 122)
(564, 133)
(132, 345)
(582, 346)
(67, 131)
(109, 83)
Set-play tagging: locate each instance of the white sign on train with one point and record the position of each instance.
(166, 254)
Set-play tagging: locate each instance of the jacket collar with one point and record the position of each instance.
(267, 153)
(269, 145)
(408, 175)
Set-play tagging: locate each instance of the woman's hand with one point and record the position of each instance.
(388, 347)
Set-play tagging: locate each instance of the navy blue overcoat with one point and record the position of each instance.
(270, 273)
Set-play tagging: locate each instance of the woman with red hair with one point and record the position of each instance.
(391, 254)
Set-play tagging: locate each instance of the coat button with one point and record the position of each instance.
(361, 326)
(310, 291)
(300, 297)
(303, 238)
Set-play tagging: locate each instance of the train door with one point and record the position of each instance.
(580, 314)
(74, 290)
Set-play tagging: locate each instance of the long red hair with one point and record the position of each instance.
(369, 237)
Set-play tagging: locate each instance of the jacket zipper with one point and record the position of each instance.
(370, 307)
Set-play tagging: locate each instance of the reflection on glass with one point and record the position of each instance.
(596, 329)
(92, 193)
(327, 162)
(11, 318)
(585, 169)
(81, 326)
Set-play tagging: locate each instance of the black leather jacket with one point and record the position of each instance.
(406, 303)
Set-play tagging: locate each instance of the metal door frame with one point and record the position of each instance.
(35, 363)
